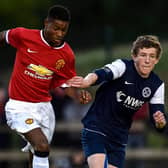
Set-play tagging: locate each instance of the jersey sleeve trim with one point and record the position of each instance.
(7, 36)
(64, 85)
(104, 74)
(117, 67)
(158, 97)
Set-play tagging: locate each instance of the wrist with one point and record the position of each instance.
(90, 79)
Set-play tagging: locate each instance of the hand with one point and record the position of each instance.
(76, 81)
(80, 82)
(159, 119)
(84, 97)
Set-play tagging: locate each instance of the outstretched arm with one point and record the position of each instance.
(81, 82)
(107, 73)
(2, 38)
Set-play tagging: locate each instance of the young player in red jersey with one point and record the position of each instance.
(43, 61)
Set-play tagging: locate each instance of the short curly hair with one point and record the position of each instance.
(146, 41)
(59, 12)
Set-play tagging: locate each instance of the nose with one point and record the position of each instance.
(147, 59)
(60, 34)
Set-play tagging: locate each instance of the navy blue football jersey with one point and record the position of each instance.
(122, 92)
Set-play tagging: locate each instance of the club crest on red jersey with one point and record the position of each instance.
(60, 64)
(29, 121)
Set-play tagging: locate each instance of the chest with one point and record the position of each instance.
(134, 88)
(39, 55)
(128, 92)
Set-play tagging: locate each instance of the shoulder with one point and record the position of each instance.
(67, 45)
(18, 29)
(116, 63)
(68, 49)
(128, 62)
(118, 68)
(155, 78)
(124, 63)
(22, 31)
(16, 36)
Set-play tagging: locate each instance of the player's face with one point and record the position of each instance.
(145, 61)
(55, 31)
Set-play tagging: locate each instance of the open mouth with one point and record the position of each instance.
(146, 68)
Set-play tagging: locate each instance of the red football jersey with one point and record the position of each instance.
(38, 66)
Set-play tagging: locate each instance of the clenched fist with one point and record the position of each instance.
(159, 119)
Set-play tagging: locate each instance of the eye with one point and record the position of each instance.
(142, 54)
(153, 56)
(56, 28)
(64, 30)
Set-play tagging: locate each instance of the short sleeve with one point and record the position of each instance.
(158, 97)
(13, 37)
(118, 68)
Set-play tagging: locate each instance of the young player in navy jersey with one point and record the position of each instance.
(43, 61)
(125, 86)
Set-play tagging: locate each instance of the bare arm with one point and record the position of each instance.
(2, 38)
(90, 79)
(81, 82)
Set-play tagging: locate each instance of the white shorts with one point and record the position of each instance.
(24, 116)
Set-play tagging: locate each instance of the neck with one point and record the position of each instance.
(52, 44)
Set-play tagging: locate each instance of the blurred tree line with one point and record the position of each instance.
(131, 18)
(94, 22)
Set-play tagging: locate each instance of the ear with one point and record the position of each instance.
(133, 57)
(46, 22)
(157, 60)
